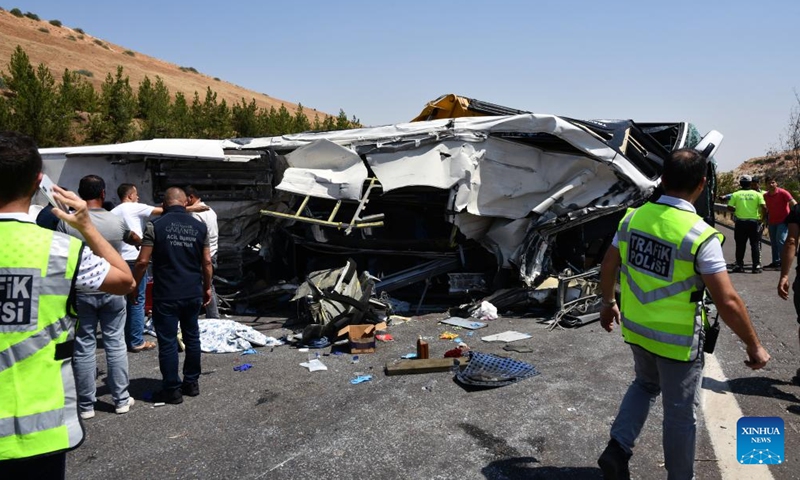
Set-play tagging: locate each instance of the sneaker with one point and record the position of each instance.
(190, 389)
(757, 269)
(87, 414)
(168, 396)
(126, 407)
(614, 462)
(141, 348)
(738, 269)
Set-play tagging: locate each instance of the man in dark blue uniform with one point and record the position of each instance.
(177, 243)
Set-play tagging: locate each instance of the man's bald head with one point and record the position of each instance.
(174, 196)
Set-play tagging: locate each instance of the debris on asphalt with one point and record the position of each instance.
(430, 365)
(361, 379)
(486, 311)
(314, 365)
(517, 348)
(243, 367)
(488, 370)
(447, 336)
(508, 336)
(463, 322)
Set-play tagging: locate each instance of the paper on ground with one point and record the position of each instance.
(314, 365)
(463, 323)
(509, 336)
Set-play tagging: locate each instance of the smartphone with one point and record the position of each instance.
(46, 187)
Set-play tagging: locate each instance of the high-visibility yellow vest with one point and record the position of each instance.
(38, 400)
(661, 291)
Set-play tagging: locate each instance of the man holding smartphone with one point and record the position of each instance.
(41, 270)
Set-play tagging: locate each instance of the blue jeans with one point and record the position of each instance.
(679, 386)
(134, 323)
(167, 314)
(777, 237)
(109, 311)
(212, 309)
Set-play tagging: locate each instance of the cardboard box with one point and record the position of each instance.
(362, 337)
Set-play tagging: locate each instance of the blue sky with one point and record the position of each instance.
(725, 65)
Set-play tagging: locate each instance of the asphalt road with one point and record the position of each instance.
(279, 421)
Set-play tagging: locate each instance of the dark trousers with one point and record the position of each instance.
(796, 296)
(45, 467)
(747, 231)
(167, 315)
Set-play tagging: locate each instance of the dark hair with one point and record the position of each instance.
(124, 189)
(769, 178)
(191, 191)
(20, 165)
(684, 170)
(174, 196)
(91, 187)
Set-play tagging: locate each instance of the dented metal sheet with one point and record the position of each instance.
(324, 169)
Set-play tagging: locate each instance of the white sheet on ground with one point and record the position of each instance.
(228, 336)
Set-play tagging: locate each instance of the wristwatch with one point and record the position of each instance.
(612, 303)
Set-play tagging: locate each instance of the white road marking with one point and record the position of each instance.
(721, 412)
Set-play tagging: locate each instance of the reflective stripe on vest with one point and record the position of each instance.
(38, 399)
(658, 244)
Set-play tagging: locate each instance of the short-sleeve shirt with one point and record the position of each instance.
(110, 226)
(92, 270)
(778, 205)
(748, 204)
(133, 214)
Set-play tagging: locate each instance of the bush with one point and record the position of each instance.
(99, 42)
(81, 37)
(129, 53)
(72, 37)
(16, 12)
(79, 30)
(32, 16)
(189, 69)
(216, 78)
(2, 83)
(55, 23)
(44, 30)
(85, 73)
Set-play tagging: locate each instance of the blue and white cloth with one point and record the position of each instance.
(228, 336)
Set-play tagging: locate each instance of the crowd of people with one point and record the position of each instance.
(753, 209)
(667, 261)
(79, 267)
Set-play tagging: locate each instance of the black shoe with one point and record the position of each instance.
(614, 462)
(757, 269)
(775, 265)
(738, 269)
(190, 389)
(168, 396)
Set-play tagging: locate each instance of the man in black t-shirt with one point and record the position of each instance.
(787, 259)
(178, 245)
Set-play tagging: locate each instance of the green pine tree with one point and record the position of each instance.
(301, 123)
(34, 106)
(245, 119)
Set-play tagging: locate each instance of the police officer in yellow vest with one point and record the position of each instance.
(750, 210)
(666, 255)
(39, 272)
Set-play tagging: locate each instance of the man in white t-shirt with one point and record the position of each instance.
(134, 214)
(209, 217)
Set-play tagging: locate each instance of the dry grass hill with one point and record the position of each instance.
(62, 47)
